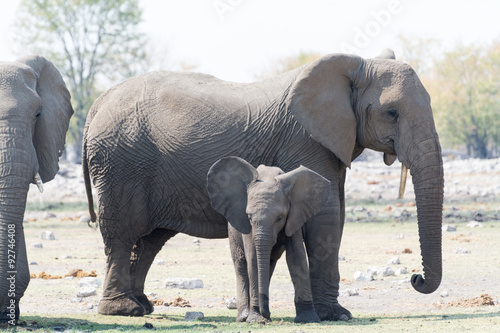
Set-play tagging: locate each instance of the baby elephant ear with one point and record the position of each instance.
(227, 182)
(308, 192)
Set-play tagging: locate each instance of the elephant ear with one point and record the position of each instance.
(320, 100)
(386, 54)
(308, 192)
(227, 182)
(54, 114)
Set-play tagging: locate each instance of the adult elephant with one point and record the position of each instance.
(149, 142)
(35, 109)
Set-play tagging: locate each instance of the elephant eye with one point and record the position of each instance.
(279, 218)
(393, 114)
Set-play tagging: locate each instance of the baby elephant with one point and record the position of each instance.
(266, 209)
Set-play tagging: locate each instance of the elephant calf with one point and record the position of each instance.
(266, 209)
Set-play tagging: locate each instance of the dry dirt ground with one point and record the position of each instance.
(379, 228)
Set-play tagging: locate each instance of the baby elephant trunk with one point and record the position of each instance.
(263, 249)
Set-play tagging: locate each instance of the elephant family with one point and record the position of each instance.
(266, 209)
(150, 141)
(35, 109)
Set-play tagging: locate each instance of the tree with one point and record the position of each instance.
(91, 42)
(466, 98)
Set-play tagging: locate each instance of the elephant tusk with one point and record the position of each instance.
(402, 182)
(38, 182)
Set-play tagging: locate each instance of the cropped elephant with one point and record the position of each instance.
(35, 109)
(266, 209)
(150, 141)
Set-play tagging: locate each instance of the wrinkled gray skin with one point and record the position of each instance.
(35, 109)
(274, 206)
(150, 141)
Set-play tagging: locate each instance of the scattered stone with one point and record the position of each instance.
(86, 291)
(388, 208)
(341, 257)
(45, 276)
(448, 227)
(66, 256)
(231, 303)
(48, 216)
(33, 263)
(68, 277)
(407, 251)
(183, 283)
(350, 292)
(394, 261)
(148, 326)
(196, 241)
(191, 316)
(89, 281)
(400, 236)
(38, 246)
(474, 224)
(159, 262)
(84, 219)
(460, 250)
(75, 299)
(444, 294)
(360, 276)
(385, 271)
(401, 271)
(48, 235)
(372, 270)
(359, 209)
(79, 273)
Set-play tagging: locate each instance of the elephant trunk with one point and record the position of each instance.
(263, 249)
(428, 181)
(14, 271)
(17, 170)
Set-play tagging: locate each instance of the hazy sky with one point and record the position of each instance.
(237, 39)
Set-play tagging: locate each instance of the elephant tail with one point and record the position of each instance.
(86, 177)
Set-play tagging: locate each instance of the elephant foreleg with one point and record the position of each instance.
(143, 254)
(297, 265)
(322, 235)
(240, 268)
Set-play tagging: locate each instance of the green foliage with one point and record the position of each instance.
(465, 92)
(89, 41)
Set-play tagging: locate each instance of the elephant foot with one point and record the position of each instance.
(333, 312)
(125, 305)
(242, 315)
(256, 317)
(305, 313)
(9, 317)
(148, 306)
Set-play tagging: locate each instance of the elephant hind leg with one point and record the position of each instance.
(117, 295)
(143, 254)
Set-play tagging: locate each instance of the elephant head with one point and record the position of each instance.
(262, 202)
(35, 109)
(348, 103)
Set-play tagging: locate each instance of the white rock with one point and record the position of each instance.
(385, 271)
(75, 300)
(444, 294)
(89, 281)
(231, 303)
(84, 219)
(460, 250)
(360, 276)
(191, 316)
(394, 261)
(38, 246)
(474, 224)
(48, 235)
(66, 256)
(86, 291)
(183, 283)
(196, 241)
(350, 292)
(400, 236)
(372, 270)
(33, 263)
(448, 227)
(341, 257)
(48, 216)
(401, 271)
(159, 262)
